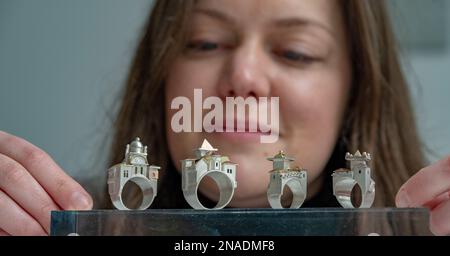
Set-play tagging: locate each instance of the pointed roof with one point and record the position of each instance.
(207, 146)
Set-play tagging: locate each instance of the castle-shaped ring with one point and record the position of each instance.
(345, 180)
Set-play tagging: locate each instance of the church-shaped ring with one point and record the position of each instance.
(134, 168)
(217, 167)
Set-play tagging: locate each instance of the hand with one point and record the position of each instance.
(430, 188)
(32, 185)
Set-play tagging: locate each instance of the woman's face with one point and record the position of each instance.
(291, 49)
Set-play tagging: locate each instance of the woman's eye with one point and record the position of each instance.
(293, 56)
(202, 46)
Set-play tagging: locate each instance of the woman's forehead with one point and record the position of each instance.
(254, 10)
(323, 16)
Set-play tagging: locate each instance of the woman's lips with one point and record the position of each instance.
(244, 134)
(241, 137)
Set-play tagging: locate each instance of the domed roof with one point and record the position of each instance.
(136, 146)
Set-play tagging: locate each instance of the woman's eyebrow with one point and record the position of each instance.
(282, 22)
(302, 22)
(215, 14)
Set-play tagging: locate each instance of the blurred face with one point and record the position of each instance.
(291, 49)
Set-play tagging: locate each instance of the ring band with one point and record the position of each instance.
(226, 188)
(134, 168)
(148, 188)
(345, 180)
(219, 168)
(282, 175)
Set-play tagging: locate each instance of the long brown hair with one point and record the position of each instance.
(379, 115)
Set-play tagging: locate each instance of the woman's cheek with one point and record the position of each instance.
(311, 111)
(185, 75)
(316, 98)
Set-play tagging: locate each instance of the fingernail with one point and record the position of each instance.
(403, 200)
(80, 201)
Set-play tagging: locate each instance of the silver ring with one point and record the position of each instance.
(282, 175)
(219, 168)
(148, 188)
(134, 168)
(345, 180)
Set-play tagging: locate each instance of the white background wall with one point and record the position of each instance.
(423, 28)
(62, 63)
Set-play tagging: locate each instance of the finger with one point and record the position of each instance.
(62, 188)
(26, 191)
(438, 200)
(3, 233)
(425, 185)
(440, 219)
(15, 221)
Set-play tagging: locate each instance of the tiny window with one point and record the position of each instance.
(142, 170)
(217, 164)
(125, 174)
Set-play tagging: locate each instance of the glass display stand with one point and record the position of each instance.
(243, 222)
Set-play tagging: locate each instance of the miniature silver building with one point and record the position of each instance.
(345, 180)
(206, 163)
(283, 175)
(134, 168)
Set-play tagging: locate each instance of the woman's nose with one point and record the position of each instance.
(246, 73)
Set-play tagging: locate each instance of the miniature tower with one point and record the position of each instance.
(359, 167)
(358, 160)
(281, 161)
(136, 150)
(281, 167)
